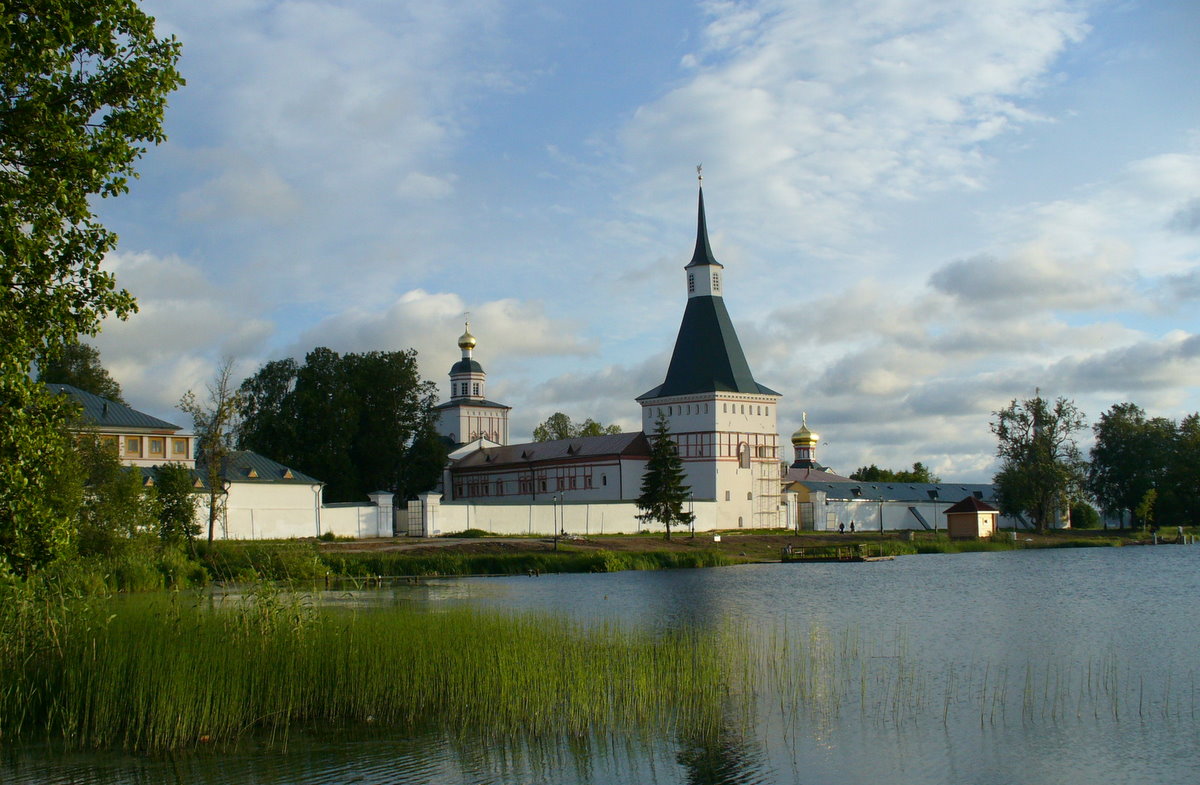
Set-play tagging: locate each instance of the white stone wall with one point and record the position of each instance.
(582, 519)
(266, 511)
(867, 514)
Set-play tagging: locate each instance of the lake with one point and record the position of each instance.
(1039, 666)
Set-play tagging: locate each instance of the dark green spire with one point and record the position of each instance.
(703, 254)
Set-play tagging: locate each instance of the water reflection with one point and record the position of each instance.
(1022, 667)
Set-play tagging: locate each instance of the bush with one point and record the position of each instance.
(1084, 516)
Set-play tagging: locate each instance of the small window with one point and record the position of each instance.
(749, 495)
(133, 446)
(726, 495)
(179, 448)
(158, 447)
(604, 479)
(475, 388)
(716, 282)
(691, 283)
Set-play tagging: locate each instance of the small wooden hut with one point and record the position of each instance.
(971, 518)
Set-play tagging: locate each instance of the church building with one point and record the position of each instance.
(722, 420)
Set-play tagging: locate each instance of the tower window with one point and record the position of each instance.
(716, 282)
(475, 391)
(691, 283)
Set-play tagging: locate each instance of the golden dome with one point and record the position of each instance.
(466, 340)
(803, 435)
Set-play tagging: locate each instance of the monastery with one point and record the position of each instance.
(722, 420)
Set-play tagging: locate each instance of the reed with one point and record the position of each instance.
(163, 672)
(365, 564)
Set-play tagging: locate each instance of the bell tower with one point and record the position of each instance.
(469, 415)
(722, 420)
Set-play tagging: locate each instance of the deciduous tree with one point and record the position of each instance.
(919, 473)
(663, 492)
(79, 365)
(358, 422)
(176, 501)
(83, 86)
(560, 426)
(1130, 457)
(214, 420)
(1041, 470)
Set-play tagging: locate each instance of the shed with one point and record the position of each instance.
(971, 518)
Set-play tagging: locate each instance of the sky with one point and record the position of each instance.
(925, 208)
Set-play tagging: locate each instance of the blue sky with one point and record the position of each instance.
(925, 209)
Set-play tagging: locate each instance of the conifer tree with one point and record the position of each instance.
(663, 492)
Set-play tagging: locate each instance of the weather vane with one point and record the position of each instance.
(700, 172)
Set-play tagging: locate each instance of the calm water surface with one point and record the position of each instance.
(1056, 666)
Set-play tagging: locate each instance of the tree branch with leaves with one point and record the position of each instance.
(214, 420)
(1041, 469)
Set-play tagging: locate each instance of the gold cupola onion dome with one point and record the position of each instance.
(803, 436)
(466, 341)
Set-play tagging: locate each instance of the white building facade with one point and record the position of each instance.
(722, 421)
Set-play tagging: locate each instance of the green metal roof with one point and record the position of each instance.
(703, 254)
(103, 413)
(248, 466)
(708, 356)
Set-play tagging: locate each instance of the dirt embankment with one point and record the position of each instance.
(737, 546)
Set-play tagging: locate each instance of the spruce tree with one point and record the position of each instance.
(663, 492)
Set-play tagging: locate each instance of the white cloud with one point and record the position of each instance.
(815, 108)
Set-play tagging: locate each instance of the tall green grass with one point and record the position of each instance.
(162, 672)
(364, 564)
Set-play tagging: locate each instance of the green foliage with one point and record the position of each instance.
(919, 474)
(162, 673)
(393, 564)
(663, 492)
(290, 561)
(78, 364)
(1134, 455)
(1145, 511)
(559, 426)
(116, 507)
(84, 84)
(1041, 469)
(1084, 516)
(176, 503)
(358, 422)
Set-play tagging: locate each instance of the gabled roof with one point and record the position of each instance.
(248, 466)
(102, 413)
(708, 356)
(617, 445)
(971, 504)
(851, 490)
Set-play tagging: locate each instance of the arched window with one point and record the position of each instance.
(749, 495)
(743, 456)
